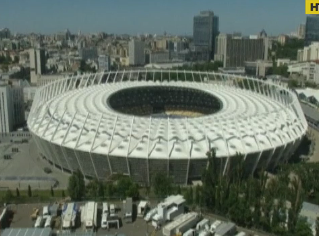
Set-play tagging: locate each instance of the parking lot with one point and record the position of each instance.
(25, 167)
(22, 219)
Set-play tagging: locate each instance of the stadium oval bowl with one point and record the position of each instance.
(139, 123)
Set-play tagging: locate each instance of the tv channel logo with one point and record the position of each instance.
(312, 7)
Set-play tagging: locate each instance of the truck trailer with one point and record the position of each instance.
(182, 223)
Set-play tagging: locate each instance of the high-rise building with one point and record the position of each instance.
(205, 31)
(235, 51)
(37, 63)
(301, 31)
(88, 53)
(104, 62)
(312, 29)
(5, 33)
(159, 57)
(136, 52)
(11, 108)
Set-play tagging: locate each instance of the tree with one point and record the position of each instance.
(123, 185)
(162, 185)
(281, 70)
(197, 197)
(16, 59)
(17, 192)
(92, 188)
(29, 191)
(317, 226)
(302, 228)
(8, 196)
(52, 192)
(133, 191)
(101, 192)
(76, 186)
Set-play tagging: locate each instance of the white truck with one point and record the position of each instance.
(48, 222)
(38, 222)
(150, 214)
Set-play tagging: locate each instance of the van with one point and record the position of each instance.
(45, 211)
(112, 210)
(104, 221)
(105, 208)
(38, 222)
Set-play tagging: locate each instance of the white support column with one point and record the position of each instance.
(87, 80)
(96, 77)
(46, 128)
(227, 148)
(128, 148)
(206, 137)
(69, 127)
(72, 79)
(102, 75)
(108, 152)
(248, 81)
(280, 155)
(215, 78)
(169, 75)
(81, 131)
(56, 129)
(260, 152)
(114, 79)
(208, 79)
(148, 149)
(77, 158)
(39, 126)
(254, 85)
(185, 76)
(109, 76)
(145, 79)
(123, 73)
(162, 76)
(66, 160)
(200, 76)
(193, 76)
(190, 147)
(241, 139)
(95, 135)
(129, 78)
(66, 134)
(168, 152)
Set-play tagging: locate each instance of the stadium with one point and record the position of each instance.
(139, 123)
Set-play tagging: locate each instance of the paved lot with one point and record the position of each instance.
(139, 227)
(22, 219)
(27, 168)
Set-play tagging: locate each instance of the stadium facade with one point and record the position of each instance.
(139, 123)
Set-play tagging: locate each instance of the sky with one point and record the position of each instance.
(149, 16)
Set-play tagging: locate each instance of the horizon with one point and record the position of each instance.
(175, 18)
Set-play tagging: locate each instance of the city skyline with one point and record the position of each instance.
(246, 16)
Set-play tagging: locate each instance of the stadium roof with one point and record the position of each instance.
(248, 122)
